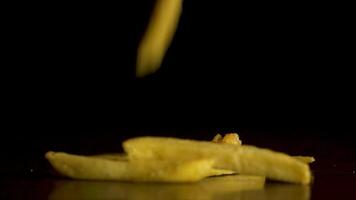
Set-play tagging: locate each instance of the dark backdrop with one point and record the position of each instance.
(277, 73)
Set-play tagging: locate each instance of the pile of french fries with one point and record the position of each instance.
(165, 159)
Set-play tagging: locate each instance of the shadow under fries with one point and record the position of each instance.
(222, 187)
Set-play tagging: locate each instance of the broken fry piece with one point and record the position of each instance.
(96, 168)
(305, 159)
(229, 138)
(217, 138)
(243, 159)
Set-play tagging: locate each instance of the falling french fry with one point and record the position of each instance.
(158, 36)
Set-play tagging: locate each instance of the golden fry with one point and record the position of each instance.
(243, 159)
(158, 36)
(104, 168)
(124, 157)
(233, 138)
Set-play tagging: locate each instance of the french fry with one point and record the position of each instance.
(104, 168)
(274, 165)
(124, 157)
(243, 159)
(233, 138)
(162, 148)
(158, 36)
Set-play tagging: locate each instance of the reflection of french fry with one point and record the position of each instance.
(158, 36)
(277, 191)
(243, 159)
(207, 189)
(105, 168)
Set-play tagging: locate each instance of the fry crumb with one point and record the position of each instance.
(229, 138)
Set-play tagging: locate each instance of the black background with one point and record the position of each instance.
(270, 71)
